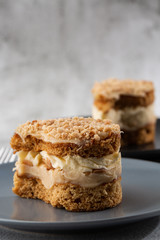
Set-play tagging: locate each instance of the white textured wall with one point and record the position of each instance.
(51, 53)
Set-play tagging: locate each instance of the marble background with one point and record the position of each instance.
(51, 53)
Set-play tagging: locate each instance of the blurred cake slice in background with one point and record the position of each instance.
(128, 103)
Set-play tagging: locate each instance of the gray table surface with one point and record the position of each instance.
(146, 229)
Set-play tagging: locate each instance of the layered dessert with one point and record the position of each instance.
(128, 103)
(71, 163)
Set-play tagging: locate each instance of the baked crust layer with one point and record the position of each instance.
(94, 148)
(69, 196)
(124, 101)
(113, 88)
(82, 136)
(141, 136)
(73, 130)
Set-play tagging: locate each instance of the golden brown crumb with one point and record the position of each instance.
(69, 196)
(113, 88)
(68, 129)
(91, 149)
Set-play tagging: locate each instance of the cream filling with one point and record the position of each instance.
(129, 118)
(89, 172)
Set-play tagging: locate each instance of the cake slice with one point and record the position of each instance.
(71, 163)
(128, 103)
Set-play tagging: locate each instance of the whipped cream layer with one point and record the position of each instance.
(129, 118)
(86, 172)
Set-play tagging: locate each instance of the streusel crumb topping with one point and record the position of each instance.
(113, 88)
(68, 129)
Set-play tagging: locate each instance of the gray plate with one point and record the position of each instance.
(141, 199)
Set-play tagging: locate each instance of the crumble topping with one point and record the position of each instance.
(113, 88)
(69, 129)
